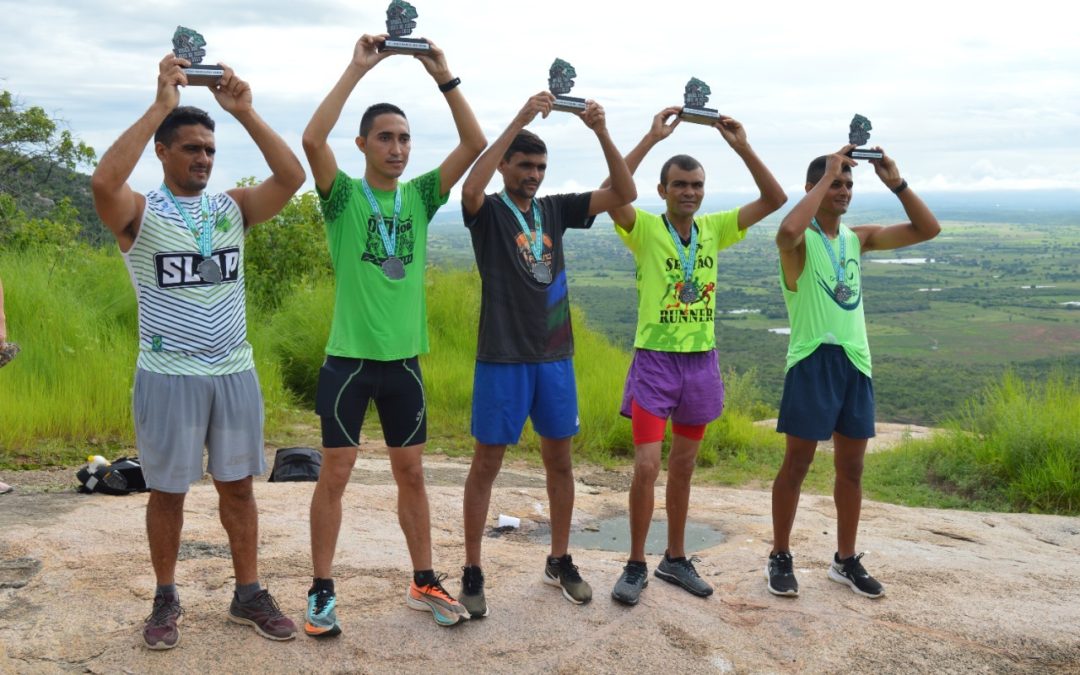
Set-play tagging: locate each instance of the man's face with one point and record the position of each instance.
(387, 145)
(189, 159)
(522, 174)
(838, 197)
(684, 190)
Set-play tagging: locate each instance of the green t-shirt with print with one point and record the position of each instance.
(666, 323)
(376, 317)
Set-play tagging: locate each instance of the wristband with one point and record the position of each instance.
(900, 188)
(449, 86)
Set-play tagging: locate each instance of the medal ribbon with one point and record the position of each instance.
(838, 264)
(204, 233)
(389, 240)
(686, 257)
(536, 237)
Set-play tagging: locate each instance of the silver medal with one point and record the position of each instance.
(393, 268)
(541, 273)
(689, 293)
(209, 271)
(842, 292)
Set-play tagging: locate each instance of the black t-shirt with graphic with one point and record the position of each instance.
(521, 319)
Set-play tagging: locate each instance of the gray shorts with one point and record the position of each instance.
(176, 416)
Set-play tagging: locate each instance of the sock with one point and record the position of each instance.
(636, 563)
(423, 577)
(167, 589)
(246, 592)
(318, 585)
(670, 559)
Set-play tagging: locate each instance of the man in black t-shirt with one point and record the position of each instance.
(524, 364)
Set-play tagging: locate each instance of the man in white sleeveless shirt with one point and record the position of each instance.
(195, 382)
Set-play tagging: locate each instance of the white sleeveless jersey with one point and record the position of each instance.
(188, 326)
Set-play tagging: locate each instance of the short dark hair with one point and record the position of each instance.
(181, 116)
(816, 170)
(368, 120)
(684, 162)
(525, 142)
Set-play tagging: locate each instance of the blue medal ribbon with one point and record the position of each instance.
(204, 233)
(837, 264)
(686, 257)
(389, 239)
(535, 237)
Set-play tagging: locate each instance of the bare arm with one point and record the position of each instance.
(119, 207)
(266, 199)
(472, 190)
(621, 191)
(471, 141)
(625, 216)
(321, 158)
(771, 195)
(923, 225)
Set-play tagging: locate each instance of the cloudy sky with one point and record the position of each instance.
(963, 96)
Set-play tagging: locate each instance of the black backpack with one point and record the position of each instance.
(296, 465)
(122, 477)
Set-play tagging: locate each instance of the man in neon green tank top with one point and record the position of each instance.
(827, 388)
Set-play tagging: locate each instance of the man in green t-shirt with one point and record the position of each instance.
(675, 372)
(376, 229)
(827, 388)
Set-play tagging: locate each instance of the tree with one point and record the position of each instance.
(31, 140)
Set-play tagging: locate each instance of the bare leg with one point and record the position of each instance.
(337, 465)
(560, 489)
(414, 513)
(164, 520)
(240, 517)
(486, 462)
(847, 490)
(681, 464)
(646, 469)
(787, 487)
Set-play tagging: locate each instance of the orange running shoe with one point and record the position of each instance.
(433, 597)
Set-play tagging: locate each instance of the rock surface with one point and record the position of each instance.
(966, 592)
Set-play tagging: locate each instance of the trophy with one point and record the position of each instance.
(560, 81)
(859, 135)
(695, 97)
(188, 44)
(400, 22)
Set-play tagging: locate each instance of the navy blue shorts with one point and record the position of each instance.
(504, 394)
(346, 386)
(824, 393)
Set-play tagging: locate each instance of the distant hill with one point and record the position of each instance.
(38, 190)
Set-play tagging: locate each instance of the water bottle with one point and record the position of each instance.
(95, 462)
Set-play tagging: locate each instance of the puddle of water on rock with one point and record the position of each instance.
(613, 534)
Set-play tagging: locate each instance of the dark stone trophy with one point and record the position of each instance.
(188, 44)
(859, 135)
(400, 22)
(695, 97)
(561, 81)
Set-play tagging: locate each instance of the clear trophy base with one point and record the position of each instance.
(707, 116)
(570, 104)
(203, 76)
(860, 153)
(404, 45)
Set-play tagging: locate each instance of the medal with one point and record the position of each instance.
(841, 292)
(689, 292)
(209, 271)
(541, 273)
(207, 268)
(535, 237)
(393, 268)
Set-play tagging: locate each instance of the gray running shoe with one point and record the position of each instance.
(851, 572)
(634, 578)
(781, 574)
(160, 630)
(472, 591)
(563, 573)
(681, 572)
(262, 614)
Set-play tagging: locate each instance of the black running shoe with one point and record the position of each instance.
(851, 572)
(781, 574)
(681, 572)
(634, 578)
(472, 591)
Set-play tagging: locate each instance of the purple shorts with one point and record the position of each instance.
(686, 387)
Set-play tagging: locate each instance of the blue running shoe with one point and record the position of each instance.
(321, 618)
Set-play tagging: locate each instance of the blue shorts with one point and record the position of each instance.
(824, 393)
(504, 394)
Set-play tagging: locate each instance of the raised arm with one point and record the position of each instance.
(266, 199)
(120, 207)
(472, 190)
(622, 190)
(321, 158)
(770, 195)
(625, 215)
(791, 237)
(923, 225)
(471, 141)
